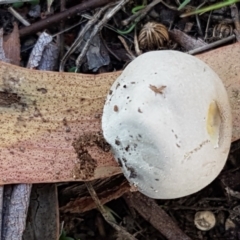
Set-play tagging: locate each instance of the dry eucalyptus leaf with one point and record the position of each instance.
(2, 52)
(35, 11)
(11, 45)
(97, 55)
(49, 58)
(38, 50)
(51, 122)
(184, 40)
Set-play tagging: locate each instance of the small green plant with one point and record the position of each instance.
(134, 10)
(182, 5)
(206, 9)
(20, 4)
(64, 236)
(72, 69)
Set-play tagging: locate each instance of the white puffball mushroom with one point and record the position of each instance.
(204, 220)
(168, 120)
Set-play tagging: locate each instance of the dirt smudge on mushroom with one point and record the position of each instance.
(157, 90)
(115, 108)
(132, 171)
(188, 154)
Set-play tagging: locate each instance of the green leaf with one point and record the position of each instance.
(184, 4)
(17, 4)
(210, 8)
(34, 2)
(72, 69)
(20, 4)
(64, 236)
(68, 238)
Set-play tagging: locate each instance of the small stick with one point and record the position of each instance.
(136, 45)
(131, 55)
(208, 22)
(105, 214)
(199, 25)
(141, 14)
(98, 28)
(78, 40)
(235, 17)
(198, 20)
(56, 18)
(155, 215)
(62, 26)
(84, 15)
(18, 17)
(109, 50)
(212, 45)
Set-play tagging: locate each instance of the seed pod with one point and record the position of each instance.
(153, 36)
(222, 30)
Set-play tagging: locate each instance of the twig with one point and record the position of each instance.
(140, 14)
(136, 44)
(206, 29)
(169, 6)
(198, 20)
(87, 16)
(98, 28)
(18, 17)
(215, 209)
(109, 50)
(154, 214)
(106, 215)
(235, 17)
(56, 18)
(62, 26)
(107, 26)
(212, 45)
(78, 40)
(199, 25)
(131, 55)
(69, 28)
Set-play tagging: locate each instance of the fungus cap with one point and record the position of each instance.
(168, 120)
(204, 220)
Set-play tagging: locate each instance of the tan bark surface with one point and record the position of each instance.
(50, 121)
(225, 62)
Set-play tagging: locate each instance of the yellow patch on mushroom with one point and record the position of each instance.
(214, 123)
